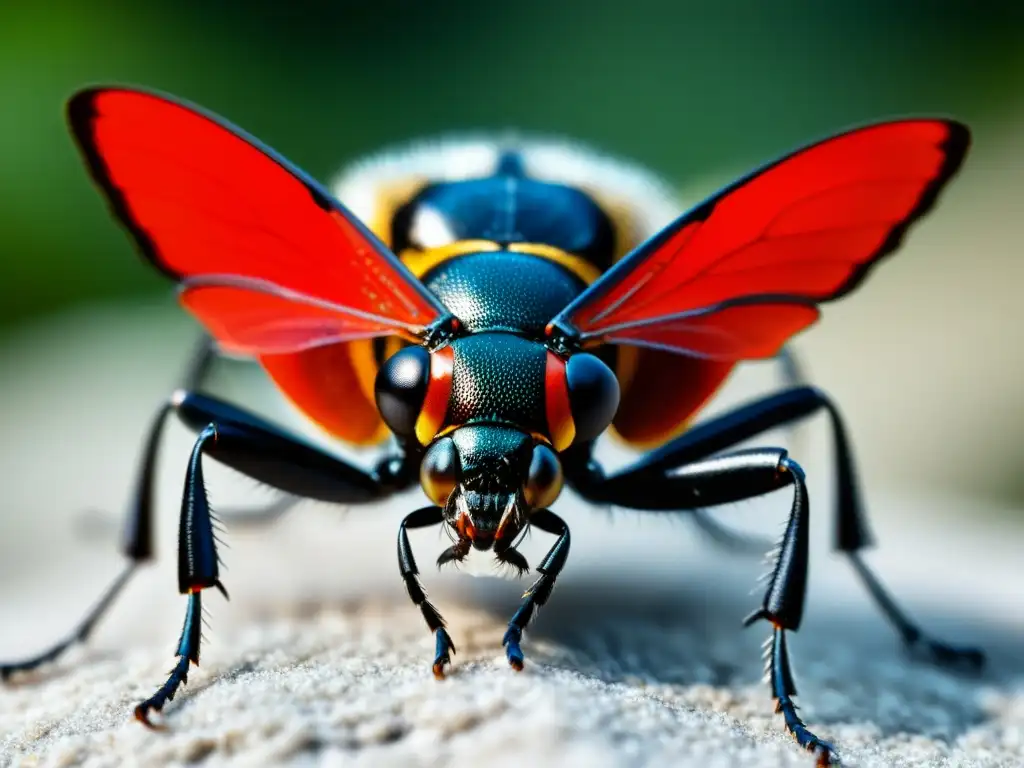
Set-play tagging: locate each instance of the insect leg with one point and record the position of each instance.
(724, 479)
(851, 531)
(198, 369)
(791, 374)
(137, 541)
(540, 591)
(424, 518)
(265, 453)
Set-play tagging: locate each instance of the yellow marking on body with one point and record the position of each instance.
(540, 438)
(364, 363)
(448, 430)
(420, 262)
(579, 266)
(628, 231)
(426, 427)
(391, 345)
(563, 435)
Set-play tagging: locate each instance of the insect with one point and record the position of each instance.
(484, 312)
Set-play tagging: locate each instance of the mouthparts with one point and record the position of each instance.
(484, 518)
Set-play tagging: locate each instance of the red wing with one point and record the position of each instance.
(208, 204)
(737, 276)
(729, 332)
(251, 318)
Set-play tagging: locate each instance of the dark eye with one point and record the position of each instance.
(593, 395)
(544, 481)
(439, 470)
(401, 388)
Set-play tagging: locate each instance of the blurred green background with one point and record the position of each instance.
(694, 90)
(686, 88)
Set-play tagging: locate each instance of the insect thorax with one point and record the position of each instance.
(504, 290)
(498, 378)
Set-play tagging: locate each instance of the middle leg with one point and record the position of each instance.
(851, 529)
(791, 375)
(424, 518)
(726, 479)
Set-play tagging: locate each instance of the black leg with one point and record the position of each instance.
(780, 677)
(78, 635)
(265, 453)
(424, 518)
(538, 594)
(936, 650)
(198, 371)
(723, 479)
(791, 374)
(851, 531)
(137, 542)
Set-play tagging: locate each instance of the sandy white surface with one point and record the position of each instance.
(319, 659)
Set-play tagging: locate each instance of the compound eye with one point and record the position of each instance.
(544, 481)
(401, 388)
(593, 395)
(439, 470)
(412, 391)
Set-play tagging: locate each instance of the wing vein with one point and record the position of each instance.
(265, 286)
(709, 268)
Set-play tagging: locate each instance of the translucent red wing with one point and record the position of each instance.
(268, 261)
(733, 332)
(252, 318)
(737, 276)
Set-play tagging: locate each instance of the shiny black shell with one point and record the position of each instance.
(506, 208)
(504, 290)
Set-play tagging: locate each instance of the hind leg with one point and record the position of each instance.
(137, 544)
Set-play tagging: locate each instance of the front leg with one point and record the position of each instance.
(265, 453)
(539, 593)
(424, 518)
